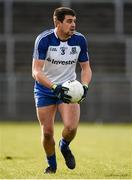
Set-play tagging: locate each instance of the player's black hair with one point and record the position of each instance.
(61, 12)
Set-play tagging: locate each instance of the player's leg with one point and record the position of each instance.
(46, 117)
(70, 114)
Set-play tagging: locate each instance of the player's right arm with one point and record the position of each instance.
(39, 56)
(38, 75)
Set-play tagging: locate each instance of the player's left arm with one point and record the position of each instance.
(83, 60)
(86, 75)
(86, 72)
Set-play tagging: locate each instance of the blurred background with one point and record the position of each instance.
(107, 24)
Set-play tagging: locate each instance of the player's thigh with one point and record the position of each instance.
(46, 116)
(70, 114)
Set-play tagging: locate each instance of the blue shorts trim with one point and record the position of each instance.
(46, 101)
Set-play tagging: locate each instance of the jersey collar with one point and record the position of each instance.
(55, 30)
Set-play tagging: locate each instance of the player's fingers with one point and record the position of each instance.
(67, 96)
(66, 101)
(65, 88)
(81, 100)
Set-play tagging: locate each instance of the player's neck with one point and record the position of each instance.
(62, 36)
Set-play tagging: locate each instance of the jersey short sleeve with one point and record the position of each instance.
(83, 56)
(40, 48)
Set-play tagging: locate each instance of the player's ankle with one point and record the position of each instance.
(52, 161)
(63, 144)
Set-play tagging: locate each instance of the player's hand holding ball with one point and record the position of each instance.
(60, 92)
(76, 90)
(71, 91)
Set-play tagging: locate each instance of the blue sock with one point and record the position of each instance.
(64, 144)
(52, 161)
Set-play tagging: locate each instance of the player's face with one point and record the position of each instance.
(67, 27)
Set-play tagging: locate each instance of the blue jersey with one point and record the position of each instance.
(60, 56)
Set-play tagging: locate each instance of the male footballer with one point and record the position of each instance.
(56, 53)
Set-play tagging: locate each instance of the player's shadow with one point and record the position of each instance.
(14, 158)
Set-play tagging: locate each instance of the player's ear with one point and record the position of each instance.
(55, 21)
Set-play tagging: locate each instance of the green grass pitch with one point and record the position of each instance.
(101, 151)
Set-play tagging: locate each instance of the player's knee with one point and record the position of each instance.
(71, 130)
(48, 135)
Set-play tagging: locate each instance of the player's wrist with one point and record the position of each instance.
(53, 87)
(85, 86)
